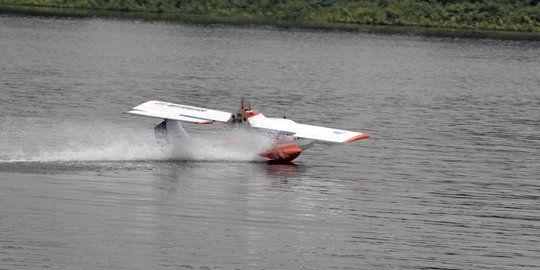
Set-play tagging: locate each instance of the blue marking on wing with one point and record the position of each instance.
(286, 133)
(280, 132)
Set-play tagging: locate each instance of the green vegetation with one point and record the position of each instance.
(520, 15)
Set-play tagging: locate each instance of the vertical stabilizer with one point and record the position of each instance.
(170, 131)
(160, 131)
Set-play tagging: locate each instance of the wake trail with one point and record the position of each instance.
(33, 141)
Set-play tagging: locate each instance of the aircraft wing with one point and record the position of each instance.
(172, 111)
(290, 128)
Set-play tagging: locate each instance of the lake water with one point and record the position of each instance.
(450, 178)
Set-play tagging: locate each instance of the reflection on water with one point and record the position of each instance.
(173, 213)
(283, 170)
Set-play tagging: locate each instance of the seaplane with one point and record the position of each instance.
(289, 138)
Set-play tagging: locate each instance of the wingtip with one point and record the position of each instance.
(358, 137)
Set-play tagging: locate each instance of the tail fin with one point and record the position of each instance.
(169, 130)
(160, 131)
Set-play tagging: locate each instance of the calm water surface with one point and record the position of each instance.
(450, 178)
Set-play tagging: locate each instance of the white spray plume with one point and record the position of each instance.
(48, 142)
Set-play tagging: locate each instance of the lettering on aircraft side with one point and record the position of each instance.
(186, 107)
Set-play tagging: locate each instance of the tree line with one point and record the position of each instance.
(520, 15)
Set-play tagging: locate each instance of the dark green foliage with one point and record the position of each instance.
(519, 15)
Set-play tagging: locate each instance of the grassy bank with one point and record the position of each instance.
(520, 15)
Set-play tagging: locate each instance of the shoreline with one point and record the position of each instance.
(32, 10)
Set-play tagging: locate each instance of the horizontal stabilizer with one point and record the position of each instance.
(171, 111)
(291, 128)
